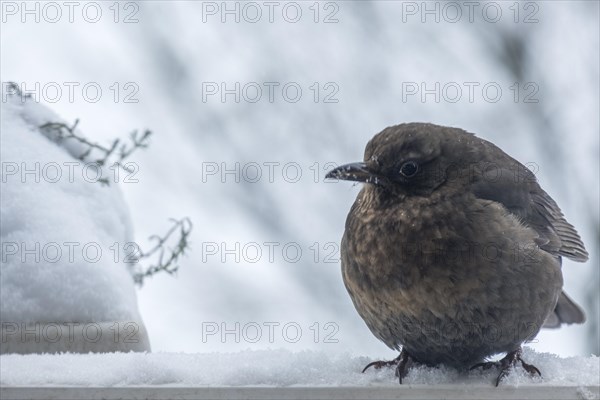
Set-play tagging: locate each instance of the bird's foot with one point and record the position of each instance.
(401, 363)
(508, 362)
(381, 364)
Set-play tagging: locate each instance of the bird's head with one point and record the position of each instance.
(408, 159)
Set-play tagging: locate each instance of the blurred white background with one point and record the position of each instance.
(370, 57)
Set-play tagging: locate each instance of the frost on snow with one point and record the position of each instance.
(268, 368)
(53, 223)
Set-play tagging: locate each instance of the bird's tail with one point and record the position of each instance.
(565, 312)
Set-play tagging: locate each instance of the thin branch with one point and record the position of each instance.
(64, 131)
(167, 259)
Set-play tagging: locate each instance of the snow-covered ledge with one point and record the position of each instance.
(449, 392)
(278, 374)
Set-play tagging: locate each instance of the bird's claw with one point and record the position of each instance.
(380, 364)
(508, 362)
(532, 369)
(400, 362)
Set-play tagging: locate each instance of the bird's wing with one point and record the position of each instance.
(518, 191)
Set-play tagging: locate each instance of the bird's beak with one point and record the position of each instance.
(358, 172)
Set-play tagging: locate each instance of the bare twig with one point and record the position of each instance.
(167, 259)
(122, 151)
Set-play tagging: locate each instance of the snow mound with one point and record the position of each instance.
(54, 221)
(273, 368)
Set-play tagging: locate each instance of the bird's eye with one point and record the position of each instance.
(409, 169)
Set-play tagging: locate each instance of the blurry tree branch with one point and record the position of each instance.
(122, 150)
(167, 258)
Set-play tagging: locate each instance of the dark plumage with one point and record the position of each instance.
(452, 251)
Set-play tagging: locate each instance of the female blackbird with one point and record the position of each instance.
(452, 251)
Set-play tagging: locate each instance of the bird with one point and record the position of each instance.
(452, 252)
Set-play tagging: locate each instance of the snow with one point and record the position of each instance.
(47, 222)
(273, 368)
